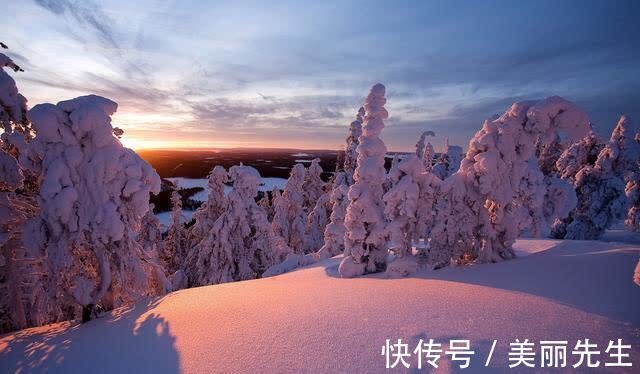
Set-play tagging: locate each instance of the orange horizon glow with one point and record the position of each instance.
(139, 144)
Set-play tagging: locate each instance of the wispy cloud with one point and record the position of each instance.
(85, 13)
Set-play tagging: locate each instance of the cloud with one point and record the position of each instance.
(234, 69)
(87, 14)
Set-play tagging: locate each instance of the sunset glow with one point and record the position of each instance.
(293, 74)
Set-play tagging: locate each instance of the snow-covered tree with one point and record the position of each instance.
(499, 158)
(421, 144)
(424, 150)
(176, 244)
(289, 218)
(401, 204)
(428, 187)
(313, 186)
(351, 152)
(601, 201)
(449, 161)
(21, 301)
(573, 125)
(600, 187)
(17, 130)
(13, 106)
(266, 203)
(623, 156)
(529, 200)
(22, 298)
(548, 155)
(93, 195)
(632, 190)
(206, 215)
(317, 221)
(456, 229)
(335, 230)
(623, 151)
(365, 239)
(582, 153)
(276, 195)
(241, 244)
(150, 235)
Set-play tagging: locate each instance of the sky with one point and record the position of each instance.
(197, 74)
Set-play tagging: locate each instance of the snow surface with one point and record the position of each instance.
(311, 320)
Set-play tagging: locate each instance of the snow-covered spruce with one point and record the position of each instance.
(571, 124)
(335, 230)
(540, 200)
(21, 301)
(16, 129)
(206, 215)
(601, 202)
(351, 151)
(449, 161)
(600, 188)
(150, 235)
(580, 154)
(455, 232)
(632, 190)
(428, 187)
(176, 245)
(499, 158)
(266, 203)
(289, 218)
(622, 153)
(365, 239)
(424, 149)
(313, 186)
(93, 195)
(11, 177)
(401, 204)
(13, 106)
(241, 244)
(317, 221)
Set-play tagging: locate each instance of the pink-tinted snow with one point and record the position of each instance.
(311, 320)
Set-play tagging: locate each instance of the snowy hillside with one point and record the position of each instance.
(313, 321)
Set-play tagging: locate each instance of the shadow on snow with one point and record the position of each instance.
(131, 341)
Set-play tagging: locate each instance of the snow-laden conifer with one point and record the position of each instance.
(401, 204)
(241, 244)
(335, 230)
(206, 215)
(365, 240)
(289, 218)
(313, 186)
(351, 151)
(93, 195)
(176, 244)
